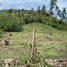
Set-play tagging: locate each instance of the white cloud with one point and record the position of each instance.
(28, 4)
(62, 4)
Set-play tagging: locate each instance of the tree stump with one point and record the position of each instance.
(6, 42)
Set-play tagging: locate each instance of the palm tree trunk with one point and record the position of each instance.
(50, 24)
(34, 21)
(29, 21)
(43, 22)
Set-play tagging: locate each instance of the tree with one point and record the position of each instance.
(29, 16)
(32, 13)
(10, 10)
(34, 16)
(56, 10)
(43, 11)
(38, 10)
(52, 4)
(19, 13)
(63, 14)
(22, 15)
(32, 10)
(59, 13)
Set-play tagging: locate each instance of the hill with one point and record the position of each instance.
(13, 20)
(50, 46)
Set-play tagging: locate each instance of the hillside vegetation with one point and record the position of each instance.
(13, 20)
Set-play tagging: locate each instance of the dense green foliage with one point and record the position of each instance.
(13, 20)
(9, 22)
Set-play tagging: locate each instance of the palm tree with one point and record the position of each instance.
(23, 14)
(59, 13)
(32, 13)
(56, 10)
(38, 10)
(52, 4)
(43, 11)
(34, 16)
(29, 16)
(32, 10)
(63, 14)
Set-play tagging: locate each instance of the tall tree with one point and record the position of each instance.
(56, 12)
(29, 16)
(43, 11)
(38, 10)
(52, 4)
(34, 16)
(63, 14)
(32, 10)
(59, 13)
(32, 13)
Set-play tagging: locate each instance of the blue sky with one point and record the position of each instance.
(28, 4)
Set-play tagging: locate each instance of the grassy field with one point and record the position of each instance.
(50, 46)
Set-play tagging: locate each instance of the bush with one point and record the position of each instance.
(1, 30)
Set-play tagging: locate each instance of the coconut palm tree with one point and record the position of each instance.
(38, 10)
(29, 16)
(59, 13)
(63, 14)
(57, 8)
(43, 12)
(31, 13)
(56, 12)
(32, 10)
(52, 4)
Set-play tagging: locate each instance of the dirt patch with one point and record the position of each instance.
(53, 42)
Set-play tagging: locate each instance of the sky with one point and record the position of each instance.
(29, 4)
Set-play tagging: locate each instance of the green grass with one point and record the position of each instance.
(21, 40)
(52, 54)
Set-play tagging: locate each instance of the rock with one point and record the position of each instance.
(10, 34)
(47, 36)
